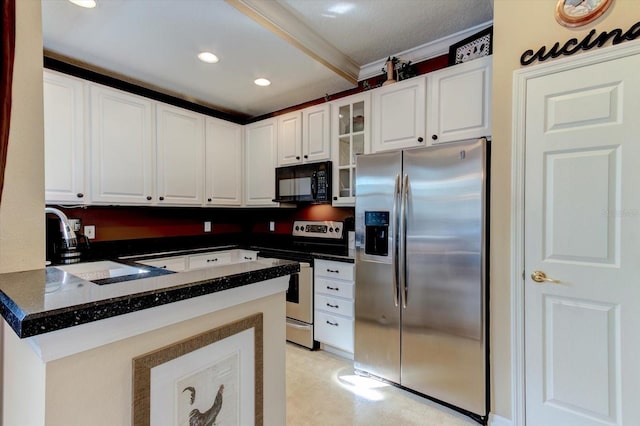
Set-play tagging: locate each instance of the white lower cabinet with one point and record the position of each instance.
(207, 260)
(333, 304)
(202, 260)
(175, 264)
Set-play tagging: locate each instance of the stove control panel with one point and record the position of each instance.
(318, 229)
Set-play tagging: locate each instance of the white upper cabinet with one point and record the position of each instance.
(64, 138)
(304, 136)
(350, 126)
(223, 185)
(316, 136)
(180, 156)
(398, 112)
(260, 162)
(121, 147)
(290, 138)
(460, 101)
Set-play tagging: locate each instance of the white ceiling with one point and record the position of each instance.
(155, 42)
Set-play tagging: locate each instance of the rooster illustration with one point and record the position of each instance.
(208, 418)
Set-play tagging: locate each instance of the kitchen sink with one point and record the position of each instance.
(95, 271)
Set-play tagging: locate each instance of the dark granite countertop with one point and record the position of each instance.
(44, 300)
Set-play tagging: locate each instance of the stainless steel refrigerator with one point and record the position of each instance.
(421, 271)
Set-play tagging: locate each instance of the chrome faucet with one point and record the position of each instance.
(68, 236)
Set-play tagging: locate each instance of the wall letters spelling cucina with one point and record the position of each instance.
(589, 42)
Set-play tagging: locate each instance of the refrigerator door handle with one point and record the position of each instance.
(395, 242)
(403, 240)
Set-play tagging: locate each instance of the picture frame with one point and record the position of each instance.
(576, 13)
(215, 375)
(476, 46)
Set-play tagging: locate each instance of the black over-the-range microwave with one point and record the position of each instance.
(304, 183)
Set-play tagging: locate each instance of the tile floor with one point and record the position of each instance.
(320, 391)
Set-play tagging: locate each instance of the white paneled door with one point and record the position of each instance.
(582, 229)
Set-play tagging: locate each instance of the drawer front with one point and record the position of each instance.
(339, 270)
(334, 288)
(334, 330)
(209, 260)
(175, 264)
(334, 305)
(246, 255)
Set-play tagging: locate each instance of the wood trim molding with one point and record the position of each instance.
(423, 52)
(97, 74)
(282, 22)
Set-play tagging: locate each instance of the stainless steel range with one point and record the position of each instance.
(309, 238)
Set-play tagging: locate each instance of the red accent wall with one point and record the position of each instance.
(124, 223)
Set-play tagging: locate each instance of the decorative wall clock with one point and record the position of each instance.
(576, 13)
(476, 46)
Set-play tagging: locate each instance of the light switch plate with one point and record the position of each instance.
(207, 226)
(272, 226)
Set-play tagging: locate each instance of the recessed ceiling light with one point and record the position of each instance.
(262, 82)
(341, 8)
(208, 57)
(89, 4)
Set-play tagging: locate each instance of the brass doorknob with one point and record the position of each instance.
(541, 277)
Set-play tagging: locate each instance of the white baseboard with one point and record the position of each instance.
(495, 420)
(336, 351)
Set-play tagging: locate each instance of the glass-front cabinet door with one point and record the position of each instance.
(350, 137)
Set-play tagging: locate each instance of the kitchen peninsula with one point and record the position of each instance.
(69, 343)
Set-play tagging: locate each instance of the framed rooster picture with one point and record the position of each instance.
(214, 378)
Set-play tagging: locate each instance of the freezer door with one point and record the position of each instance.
(377, 316)
(443, 332)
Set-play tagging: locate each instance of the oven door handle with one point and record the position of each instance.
(298, 326)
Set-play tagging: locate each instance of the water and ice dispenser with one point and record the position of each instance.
(376, 240)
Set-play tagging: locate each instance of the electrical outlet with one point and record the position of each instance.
(75, 224)
(272, 226)
(207, 226)
(90, 231)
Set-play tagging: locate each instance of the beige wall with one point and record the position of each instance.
(21, 210)
(520, 25)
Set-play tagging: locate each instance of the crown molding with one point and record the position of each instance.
(422, 52)
(282, 22)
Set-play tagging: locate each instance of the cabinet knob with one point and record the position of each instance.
(420, 139)
(79, 195)
(335, 198)
(161, 198)
(297, 157)
(149, 198)
(306, 156)
(434, 137)
(209, 199)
